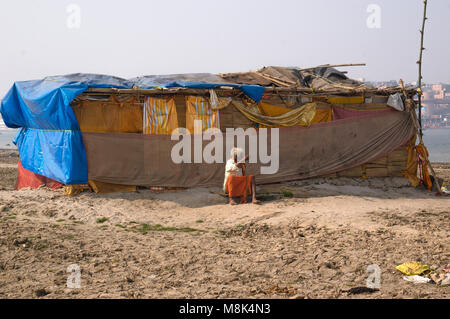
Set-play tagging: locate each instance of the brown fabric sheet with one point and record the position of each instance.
(323, 148)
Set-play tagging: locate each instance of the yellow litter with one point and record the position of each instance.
(413, 268)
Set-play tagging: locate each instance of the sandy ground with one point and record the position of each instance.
(309, 239)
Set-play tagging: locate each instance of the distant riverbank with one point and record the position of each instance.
(6, 138)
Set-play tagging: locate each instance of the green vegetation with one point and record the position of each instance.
(101, 220)
(145, 228)
(49, 213)
(266, 197)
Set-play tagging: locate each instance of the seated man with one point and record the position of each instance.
(236, 184)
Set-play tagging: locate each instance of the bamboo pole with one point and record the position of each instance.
(269, 89)
(285, 83)
(332, 66)
(419, 90)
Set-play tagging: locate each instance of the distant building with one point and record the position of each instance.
(436, 101)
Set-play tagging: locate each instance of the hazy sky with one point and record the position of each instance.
(131, 38)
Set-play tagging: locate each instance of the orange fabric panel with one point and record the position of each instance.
(160, 116)
(323, 114)
(239, 186)
(272, 110)
(412, 164)
(28, 179)
(130, 115)
(198, 108)
(111, 116)
(346, 99)
(422, 151)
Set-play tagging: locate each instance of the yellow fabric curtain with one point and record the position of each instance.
(160, 116)
(198, 108)
(272, 110)
(324, 112)
(423, 156)
(411, 164)
(268, 115)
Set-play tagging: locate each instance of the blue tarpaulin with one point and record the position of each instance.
(50, 141)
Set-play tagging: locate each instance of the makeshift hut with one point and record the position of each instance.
(115, 134)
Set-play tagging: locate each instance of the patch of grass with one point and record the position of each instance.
(266, 197)
(70, 237)
(159, 227)
(145, 228)
(42, 245)
(60, 220)
(77, 222)
(190, 230)
(239, 226)
(288, 194)
(199, 221)
(121, 226)
(169, 269)
(427, 214)
(6, 208)
(30, 212)
(101, 220)
(49, 212)
(300, 279)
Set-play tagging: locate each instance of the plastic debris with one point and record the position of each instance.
(417, 279)
(446, 268)
(395, 101)
(446, 280)
(413, 268)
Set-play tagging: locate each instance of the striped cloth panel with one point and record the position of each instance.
(198, 108)
(160, 116)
